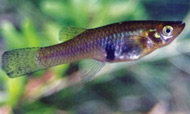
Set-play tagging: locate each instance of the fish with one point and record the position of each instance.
(118, 42)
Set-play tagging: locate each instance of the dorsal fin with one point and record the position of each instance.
(68, 33)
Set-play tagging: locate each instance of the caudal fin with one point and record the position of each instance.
(20, 62)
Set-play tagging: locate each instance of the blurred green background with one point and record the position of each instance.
(157, 84)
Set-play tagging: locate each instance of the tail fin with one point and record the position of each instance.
(20, 62)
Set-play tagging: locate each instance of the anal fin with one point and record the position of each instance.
(90, 68)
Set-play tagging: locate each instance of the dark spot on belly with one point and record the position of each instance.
(131, 49)
(110, 51)
(127, 49)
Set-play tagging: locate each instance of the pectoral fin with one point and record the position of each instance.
(90, 68)
(68, 33)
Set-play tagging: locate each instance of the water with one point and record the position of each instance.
(156, 83)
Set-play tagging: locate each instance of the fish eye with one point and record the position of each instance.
(167, 30)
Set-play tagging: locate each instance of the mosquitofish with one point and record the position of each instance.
(119, 42)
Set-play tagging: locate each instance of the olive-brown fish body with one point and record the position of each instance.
(125, 41)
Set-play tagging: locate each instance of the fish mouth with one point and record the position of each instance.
(181, 25)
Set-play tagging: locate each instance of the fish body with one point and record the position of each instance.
(124, 41)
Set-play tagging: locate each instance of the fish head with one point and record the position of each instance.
(163, 33)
